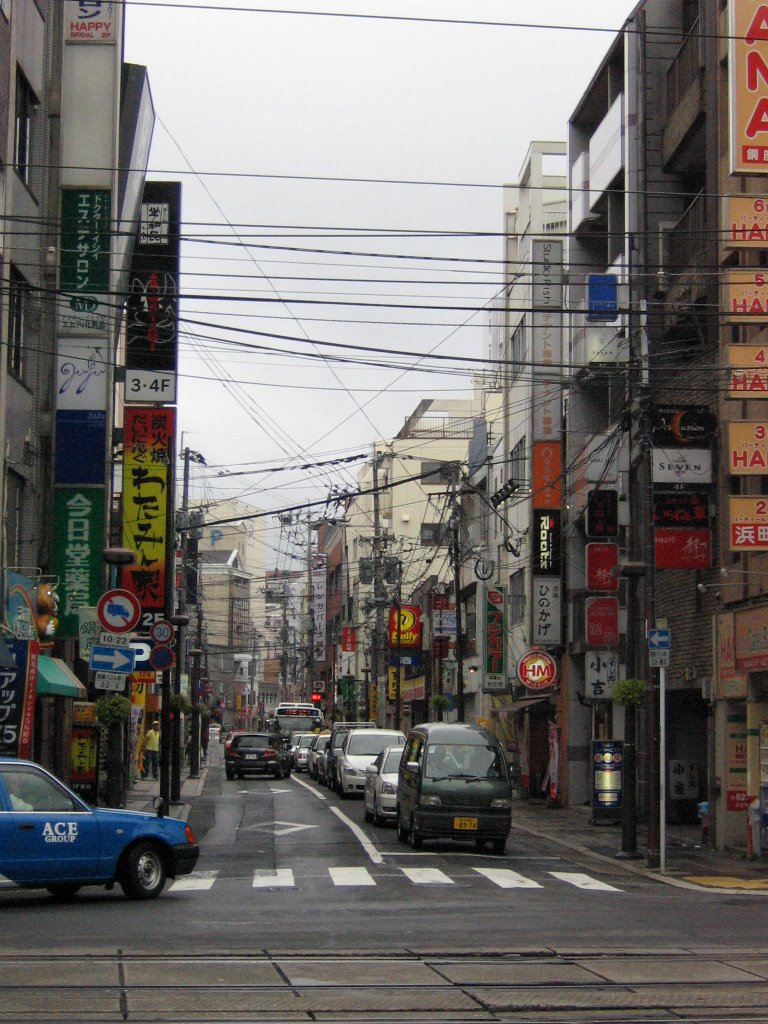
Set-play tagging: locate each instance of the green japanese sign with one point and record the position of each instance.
(78, 543)
(85, 240)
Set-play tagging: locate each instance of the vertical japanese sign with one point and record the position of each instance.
(17, 700)
(547, 617)
(152, 313)
(319, 606)
(85, 261)
(85, 761)
(149, 443)
(78, 542)
(495, 638)
(748, 86)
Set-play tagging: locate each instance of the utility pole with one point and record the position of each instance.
(455, 522)
(310, 619)
(378, 598)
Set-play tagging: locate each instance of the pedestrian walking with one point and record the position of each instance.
(151, 751)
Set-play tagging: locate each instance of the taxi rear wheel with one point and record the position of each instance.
(143, 873)
(63, 892)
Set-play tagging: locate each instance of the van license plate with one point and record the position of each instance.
(465, 824)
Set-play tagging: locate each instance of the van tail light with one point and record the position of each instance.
(189, 834)
(270, 753)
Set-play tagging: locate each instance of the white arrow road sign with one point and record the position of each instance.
(112, 659)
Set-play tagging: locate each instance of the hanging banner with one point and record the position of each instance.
(495, 639)
(149, 444)
(602, 563)
(85, 761)
(348, 639)
(319, 604)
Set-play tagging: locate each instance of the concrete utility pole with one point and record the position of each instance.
(378, 600)
(310, 621)
(455, 523)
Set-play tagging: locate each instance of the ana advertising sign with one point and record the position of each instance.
(495, 638)
(747, 524)
(747, 371)
(748, 86)
(745, 222)
(748, 448)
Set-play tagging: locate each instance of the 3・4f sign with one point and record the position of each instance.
(119, 611)
(537, 670)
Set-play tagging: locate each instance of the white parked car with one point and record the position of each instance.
(300, 751)
(359, 748)
(381, 786)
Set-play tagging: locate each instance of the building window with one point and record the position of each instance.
(14, 518)
(437, 472)
(517, 354)
(26, 105)
(18, 313)
(433, 535)
(518, 466)
(517, 597)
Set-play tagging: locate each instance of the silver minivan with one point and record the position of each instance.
(453, 783)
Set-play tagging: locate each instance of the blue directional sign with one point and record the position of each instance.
(602, 296)
(112, 659)
(659, 639)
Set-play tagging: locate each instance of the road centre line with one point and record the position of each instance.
(361, 837)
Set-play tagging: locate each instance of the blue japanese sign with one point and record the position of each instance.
(602, 297)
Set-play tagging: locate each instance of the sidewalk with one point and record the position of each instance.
(689, 862)
(141, 794)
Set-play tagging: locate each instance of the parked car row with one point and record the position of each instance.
(446, 780)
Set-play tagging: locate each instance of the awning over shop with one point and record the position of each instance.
(520, 705)
(56, 679)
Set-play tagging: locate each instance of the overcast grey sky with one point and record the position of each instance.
(246, 96)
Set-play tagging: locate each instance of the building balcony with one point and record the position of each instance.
(683, 136)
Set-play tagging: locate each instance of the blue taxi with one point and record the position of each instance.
(51, 839)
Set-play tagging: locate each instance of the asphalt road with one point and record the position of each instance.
(295, 895)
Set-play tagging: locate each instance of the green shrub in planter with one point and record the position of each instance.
(179, 702)
(113, 709)
(630, 691)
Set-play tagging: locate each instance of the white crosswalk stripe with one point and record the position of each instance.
(427, 876)
(351, 876)
(507, 879)
(282, 877)
(196, 881)
(583, 881)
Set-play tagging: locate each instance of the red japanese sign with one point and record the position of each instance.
(602, 559)
(348, 639)
(602, 621)
(681, 548)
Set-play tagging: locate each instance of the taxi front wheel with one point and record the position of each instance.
(142, 876)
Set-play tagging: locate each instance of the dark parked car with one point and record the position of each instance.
(258, 753)
(52, 839)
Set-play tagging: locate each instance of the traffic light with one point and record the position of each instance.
(317, 696)
(391, 569)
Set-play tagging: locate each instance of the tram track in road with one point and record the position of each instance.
(443, 985)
